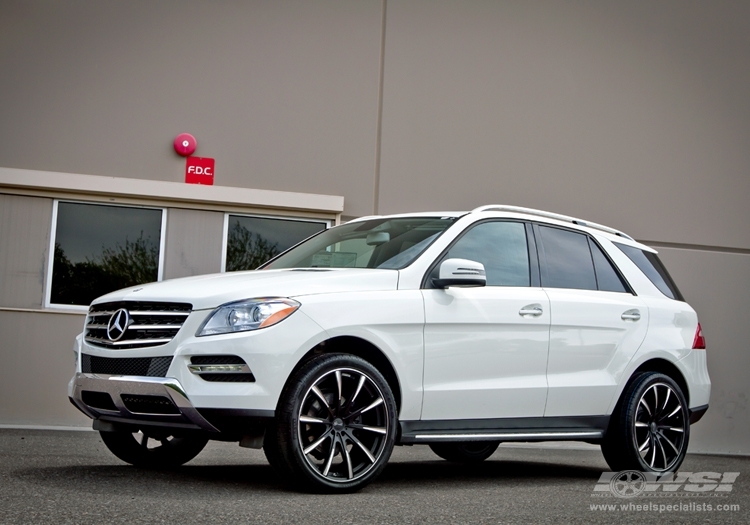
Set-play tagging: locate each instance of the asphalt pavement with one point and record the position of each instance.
(70, 477)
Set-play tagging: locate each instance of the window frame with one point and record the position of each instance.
(590, 238)
(225, 230)
(531, 252)
(48, 304)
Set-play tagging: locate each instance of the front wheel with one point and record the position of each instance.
(465, 452)
(154, 448)
(336, 425)
(650, 428)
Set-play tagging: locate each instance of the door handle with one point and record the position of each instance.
(531, 310)
(631, 315)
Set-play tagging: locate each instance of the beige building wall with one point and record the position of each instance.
(283, 94)
(632, 114)
(194, 243)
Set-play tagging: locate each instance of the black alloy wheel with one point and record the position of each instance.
(337, 425)
(650, 428)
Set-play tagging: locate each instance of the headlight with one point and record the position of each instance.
(250, 314)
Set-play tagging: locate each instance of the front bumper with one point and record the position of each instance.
(136, 400)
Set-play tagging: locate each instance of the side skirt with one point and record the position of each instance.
(579, 428)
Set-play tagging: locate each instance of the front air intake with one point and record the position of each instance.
(139, 404)
(126, 366)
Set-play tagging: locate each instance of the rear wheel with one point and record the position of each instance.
(465, 452)
(650, 428)
(154, 448)
(336, 425)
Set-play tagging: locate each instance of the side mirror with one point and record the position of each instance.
(460, 272)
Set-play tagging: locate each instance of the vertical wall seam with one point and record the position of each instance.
(379, 125)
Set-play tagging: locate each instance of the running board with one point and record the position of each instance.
(507, 436)
(586, 428)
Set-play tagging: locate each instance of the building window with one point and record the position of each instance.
(251, 241)
(98, 248)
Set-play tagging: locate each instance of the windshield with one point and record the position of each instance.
(375, 243)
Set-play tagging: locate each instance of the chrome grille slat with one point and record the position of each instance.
(159, 313)
(107, 342)
(150, 324)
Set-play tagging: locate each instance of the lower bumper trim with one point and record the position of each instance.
(168, 389)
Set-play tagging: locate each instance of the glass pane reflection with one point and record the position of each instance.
(101, 248)
(251, 241)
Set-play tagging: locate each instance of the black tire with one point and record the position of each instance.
(650, 426)
(272, 451)
(465, 452)
(335, 426)
(154, 449)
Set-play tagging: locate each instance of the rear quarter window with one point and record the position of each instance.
(650, 264)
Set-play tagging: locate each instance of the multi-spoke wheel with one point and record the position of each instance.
(650, 427)
(154, 448)
(336, 425)
(465, 452)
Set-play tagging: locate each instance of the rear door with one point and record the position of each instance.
(597, 323)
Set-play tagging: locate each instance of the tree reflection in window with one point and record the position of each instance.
(247, 250)
(99, 249)
(252, 241)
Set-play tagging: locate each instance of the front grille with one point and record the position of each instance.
(126, 366)
(134, 324)
(139, 404)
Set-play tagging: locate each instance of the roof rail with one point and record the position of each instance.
(550, 215)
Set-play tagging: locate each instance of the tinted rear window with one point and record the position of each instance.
(650, 265)
(569, 263)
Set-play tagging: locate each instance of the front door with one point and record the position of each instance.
(486, 347)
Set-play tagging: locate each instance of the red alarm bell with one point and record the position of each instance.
(185, 144)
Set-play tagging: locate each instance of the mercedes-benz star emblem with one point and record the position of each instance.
(117, 325)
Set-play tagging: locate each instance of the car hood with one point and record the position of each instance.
(209, 291)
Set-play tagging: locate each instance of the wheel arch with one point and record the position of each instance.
(360, 348)
(663, 366)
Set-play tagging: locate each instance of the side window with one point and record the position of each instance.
(100, 248)
(607, 277)
(251, 241)
(501, 247)
(650, 264)
(568, 260)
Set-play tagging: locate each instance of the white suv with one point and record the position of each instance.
(455, 330)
